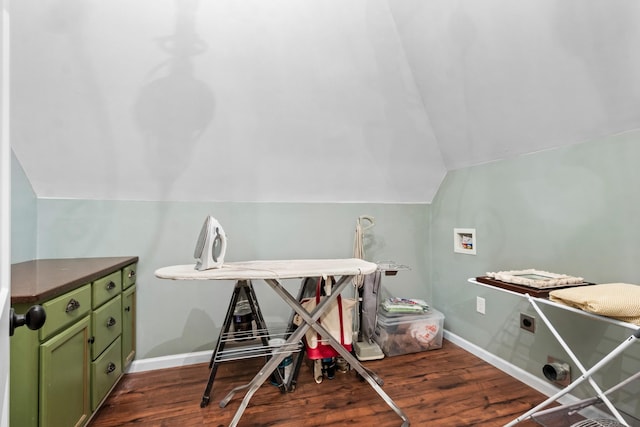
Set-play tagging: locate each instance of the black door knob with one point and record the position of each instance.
(34, 318)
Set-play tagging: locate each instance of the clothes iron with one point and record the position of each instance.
(211, 246)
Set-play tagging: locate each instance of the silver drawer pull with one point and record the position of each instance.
(111, 322)
(111, 285)
(72, 305)
(110, 368)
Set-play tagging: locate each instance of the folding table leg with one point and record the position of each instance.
(586, 374)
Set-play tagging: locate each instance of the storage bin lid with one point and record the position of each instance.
(390, 319)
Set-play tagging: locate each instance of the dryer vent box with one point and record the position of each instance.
(464, 240)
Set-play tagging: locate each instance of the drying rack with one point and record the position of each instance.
(539, 410)
(601, 396)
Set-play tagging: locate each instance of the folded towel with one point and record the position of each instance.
(616, 300)
(405, 305)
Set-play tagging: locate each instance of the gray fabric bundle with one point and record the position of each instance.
(370, 290)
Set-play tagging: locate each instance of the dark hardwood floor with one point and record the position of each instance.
(446, 387)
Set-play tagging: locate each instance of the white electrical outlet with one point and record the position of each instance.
(480, 305)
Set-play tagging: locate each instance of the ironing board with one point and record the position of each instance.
(601, 396)
(271, 272)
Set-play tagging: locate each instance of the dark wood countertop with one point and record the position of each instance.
(35, 281)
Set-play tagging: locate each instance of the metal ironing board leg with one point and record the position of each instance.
(299, 357)
(310, 320)
(269, 270)
(261, 326)
(293, 339)
(259, 378)
(240, 286)
(586, 374)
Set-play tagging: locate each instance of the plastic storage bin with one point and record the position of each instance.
(398, 334)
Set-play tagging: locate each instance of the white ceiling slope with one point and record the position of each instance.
(315, 100)
(501, 78)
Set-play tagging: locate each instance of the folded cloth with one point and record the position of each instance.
(616, 300)
(404, 305)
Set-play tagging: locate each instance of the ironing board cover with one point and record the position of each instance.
(270, 269)
(616, 300)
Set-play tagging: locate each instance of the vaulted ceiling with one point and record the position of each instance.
(313, 100)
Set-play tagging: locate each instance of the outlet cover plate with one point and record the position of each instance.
(528, 323)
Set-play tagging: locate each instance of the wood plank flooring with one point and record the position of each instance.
(446, 387)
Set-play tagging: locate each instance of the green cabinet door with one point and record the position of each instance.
(128, 326)
(24, 379)
(64, 377)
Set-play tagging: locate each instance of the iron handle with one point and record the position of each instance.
(127, 308)
(110, 368)
(72, 305)
(132, 273)
(111, 285)
(34, 318)
(111, 322)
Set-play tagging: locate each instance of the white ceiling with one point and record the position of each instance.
(314, 100)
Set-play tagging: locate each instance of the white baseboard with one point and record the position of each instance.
(173, 361)
(544, 387)
(185, 359)
(520, 374)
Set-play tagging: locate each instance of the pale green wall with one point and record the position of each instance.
(573, 210)
(23, 215)
(177, 317)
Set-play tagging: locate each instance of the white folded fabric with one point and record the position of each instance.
(616, 300)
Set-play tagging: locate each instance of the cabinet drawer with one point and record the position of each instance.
(106, 288)
(105, 371)
(129, 275)
(65, 309)
(106, 325)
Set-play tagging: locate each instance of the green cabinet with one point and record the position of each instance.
(128, 325)
(61, 374)
(64, 377)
